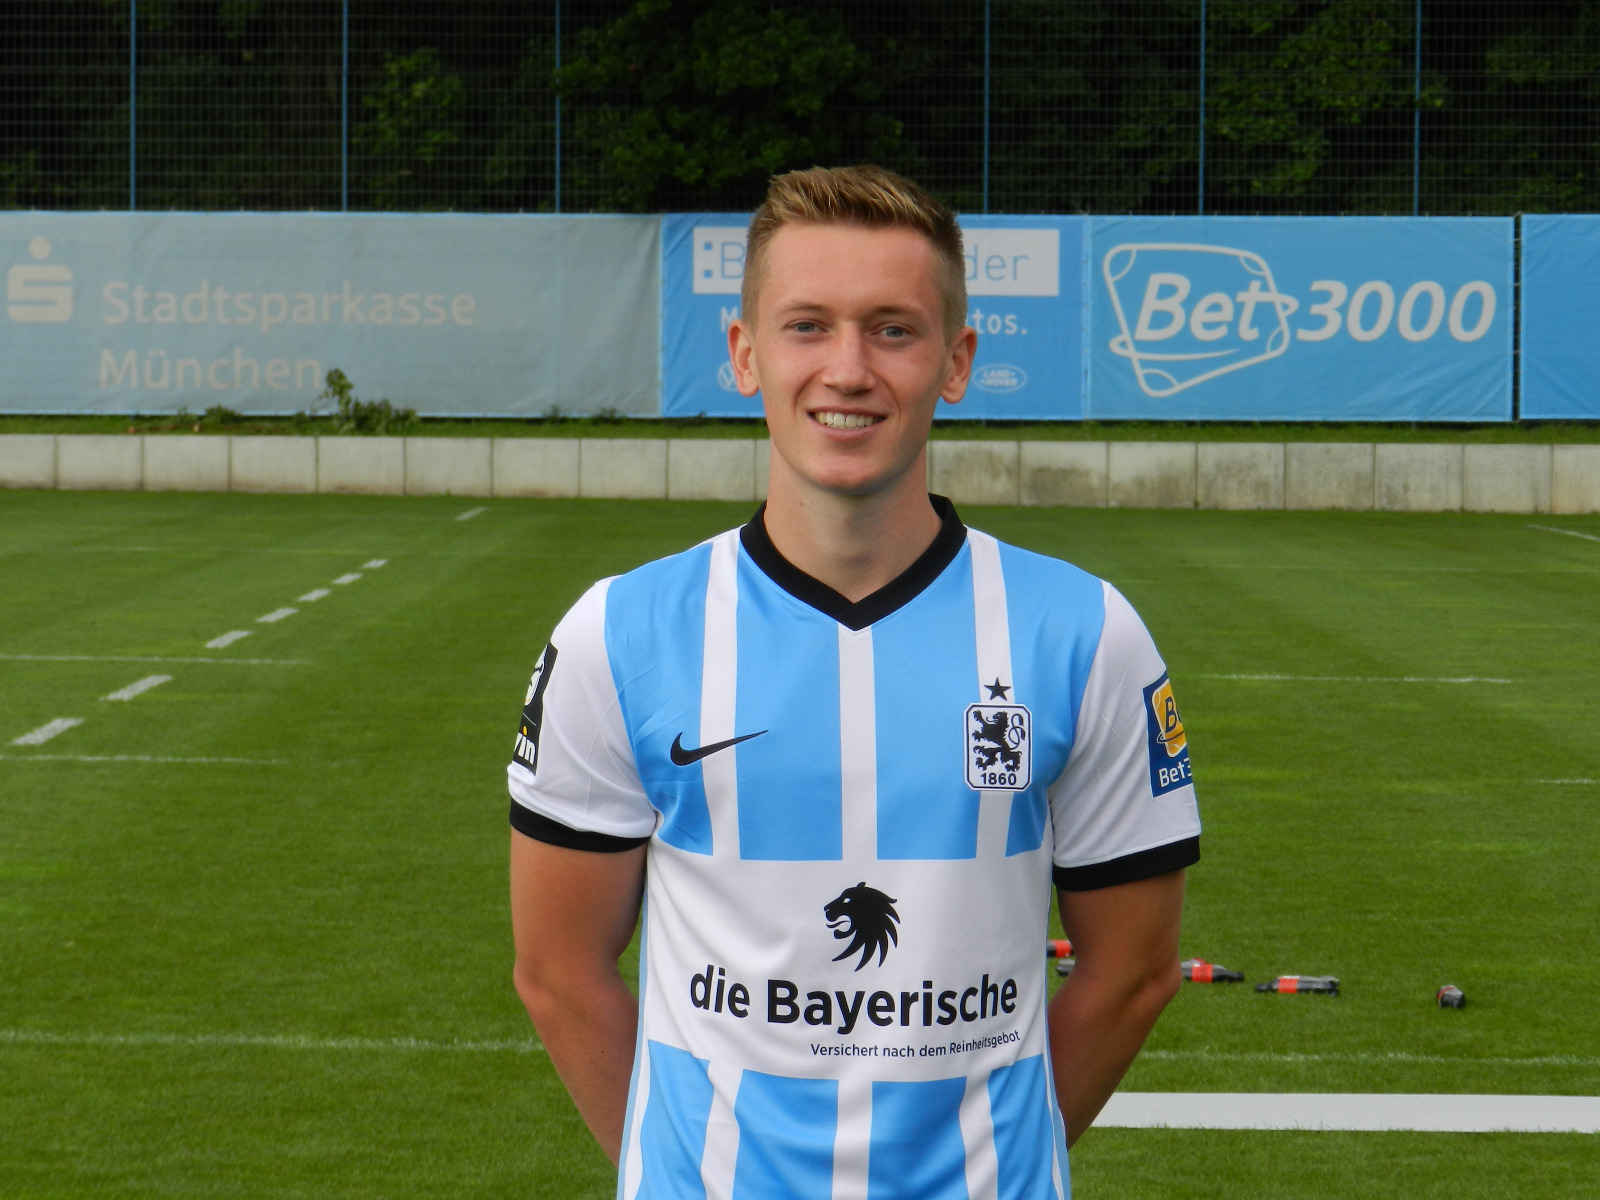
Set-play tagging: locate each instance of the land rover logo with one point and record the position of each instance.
(1000, 377)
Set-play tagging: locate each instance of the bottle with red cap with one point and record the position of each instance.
(1289, 985)
(1198, 970)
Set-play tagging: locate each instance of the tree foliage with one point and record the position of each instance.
(699, 101)
(1088, 105)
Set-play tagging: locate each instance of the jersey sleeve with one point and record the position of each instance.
(572, 775)
(1124, 808)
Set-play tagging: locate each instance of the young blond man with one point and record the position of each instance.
(853, 742)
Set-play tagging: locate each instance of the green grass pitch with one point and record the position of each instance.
(289, 976)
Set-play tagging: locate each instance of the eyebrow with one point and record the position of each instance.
(802, 307)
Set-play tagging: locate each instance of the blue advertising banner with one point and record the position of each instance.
(1301, 318)
(1560, 316)
(469, 315)
(1025, 299)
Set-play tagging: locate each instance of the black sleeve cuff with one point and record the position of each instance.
(542, 829)
(1130, 868)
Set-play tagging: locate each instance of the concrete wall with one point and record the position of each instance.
(1328, 474)
(1417, 478)
(1239, 474)
(1152, 474)
(1404, 477)
(28, 460)
(711, 469)
(1074, 473)
(1574, 479)
(449, 467)
(273, 464)
(180, 464)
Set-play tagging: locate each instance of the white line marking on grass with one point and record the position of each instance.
(314, 595)
(350, 578)
(1588, 537)
(145, 758)
(227, 639)
(276, 615)
(372, 564)
(1370, 1058)
(1567, 780)
(1428, 1112)
(139, 688)
(227, 662)
(1362, 678)
(30, 1037)
(41, 735)
(471, 512)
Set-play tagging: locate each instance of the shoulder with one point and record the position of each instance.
(1049, 596)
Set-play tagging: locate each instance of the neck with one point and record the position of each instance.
(854, 544)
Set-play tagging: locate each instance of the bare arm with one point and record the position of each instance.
(572, 914)
(1126, 942)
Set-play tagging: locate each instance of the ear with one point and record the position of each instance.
(958, 365)
(742, 354)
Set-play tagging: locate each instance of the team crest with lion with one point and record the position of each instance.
(999, 748)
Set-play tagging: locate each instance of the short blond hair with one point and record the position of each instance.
(874, 197)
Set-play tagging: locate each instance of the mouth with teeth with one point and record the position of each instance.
(840, 420)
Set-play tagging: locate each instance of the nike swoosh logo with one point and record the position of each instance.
(683, 757)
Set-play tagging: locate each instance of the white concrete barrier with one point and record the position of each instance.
(28, 460)
(1327, 475)
(763, 450)
(112, 461)
(1505, 478)
(711, 469)
(974, 472)
(185, 464)
(1412, 477)
(623, 468)
(1239, 475)
(448, 466)
(535, 466)
(272, 464)
(1064, 473)
(1151, 474)
(1574, 479)
(368, 465)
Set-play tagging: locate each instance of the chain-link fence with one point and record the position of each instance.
(1107, 106)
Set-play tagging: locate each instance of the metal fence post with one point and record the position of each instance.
(1201, 189)
(986, 77)
(1416, 117)
(344, 108)
(558, 108)
(133, 105)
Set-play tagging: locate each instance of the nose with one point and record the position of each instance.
(847, 369)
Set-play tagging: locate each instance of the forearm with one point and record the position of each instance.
(572, 913)
(1127, 949)
(588, 1029)
(1097, 1025)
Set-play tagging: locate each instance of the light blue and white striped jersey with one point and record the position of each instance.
(854, 814)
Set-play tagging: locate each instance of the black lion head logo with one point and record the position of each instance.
(867, 917)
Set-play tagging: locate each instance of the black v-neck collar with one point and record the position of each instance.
(891, 597)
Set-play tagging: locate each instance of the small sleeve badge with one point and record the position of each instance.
(1169, 747)
(999, 747)
(526, 748)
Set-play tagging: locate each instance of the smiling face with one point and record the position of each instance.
(847, 345)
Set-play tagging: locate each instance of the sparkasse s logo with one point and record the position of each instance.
(39, 292)
(1190, 312)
